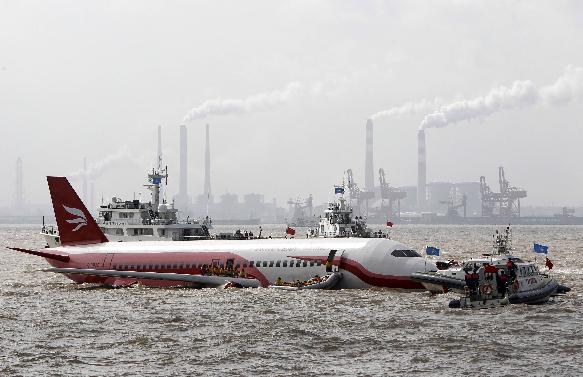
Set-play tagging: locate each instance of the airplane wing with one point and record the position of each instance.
(437, 279)
(59, 257)
(203, 281)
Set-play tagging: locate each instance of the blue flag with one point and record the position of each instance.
(432, 251)
(338, 190)
(541, 249)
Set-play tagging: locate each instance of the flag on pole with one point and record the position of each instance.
(290, 231)
(432, 251)
(541, 249)
(338, 190)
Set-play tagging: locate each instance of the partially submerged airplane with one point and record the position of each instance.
(86, 256)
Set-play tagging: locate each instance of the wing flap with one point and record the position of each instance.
(203, 280)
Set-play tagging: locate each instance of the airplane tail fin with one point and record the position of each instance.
(76, 225)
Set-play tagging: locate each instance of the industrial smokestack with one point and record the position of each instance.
(19, 188)
(91, 193)
(421, 171)
(182, 197)
(369, 165)
(85, 180)
(207, 167)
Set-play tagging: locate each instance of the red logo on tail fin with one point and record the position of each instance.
(76, 226)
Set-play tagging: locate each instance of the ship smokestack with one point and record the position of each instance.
(19, 188)
(181, 197)
(207, 167)
(421, 171)
(369, 165)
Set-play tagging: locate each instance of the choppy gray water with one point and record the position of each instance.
(52, 327)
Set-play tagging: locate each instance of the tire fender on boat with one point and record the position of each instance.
(486, 289)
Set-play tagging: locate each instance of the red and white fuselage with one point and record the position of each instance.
(86, 256)
(364, 262)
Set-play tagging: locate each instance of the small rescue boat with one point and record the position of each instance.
(488, 281)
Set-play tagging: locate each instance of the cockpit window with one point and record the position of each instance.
(405, 253)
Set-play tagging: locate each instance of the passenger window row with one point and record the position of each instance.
(182, 265)
(285, 263)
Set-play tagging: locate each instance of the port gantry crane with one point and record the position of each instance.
(510, 200)
(390, 193)
(507, 201)
(356, 194)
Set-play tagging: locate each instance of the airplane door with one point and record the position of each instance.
(330, 260)
(107, 261)
(340, 260)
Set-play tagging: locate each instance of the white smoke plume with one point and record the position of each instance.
(254, 103)
(567, 88)
(410, 108)
(98, 168)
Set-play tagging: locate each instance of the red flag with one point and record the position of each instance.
(290, 231)
(549, 264)
(489, 269)
(389, 224)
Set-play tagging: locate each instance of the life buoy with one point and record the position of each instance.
(486, 289)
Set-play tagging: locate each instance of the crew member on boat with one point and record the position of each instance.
(502, 282)
(511, 267)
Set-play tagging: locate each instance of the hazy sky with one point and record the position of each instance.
(94, 78)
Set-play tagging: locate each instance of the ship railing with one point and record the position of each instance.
(147, 222)
(194, 238)
(158, 222)
(49, 229)
(122, 222)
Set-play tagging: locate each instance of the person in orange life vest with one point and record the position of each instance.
(469, 281)
(511, 270)
(476, 279)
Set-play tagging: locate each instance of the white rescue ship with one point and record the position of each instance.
(134, 220)
(337, 221)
